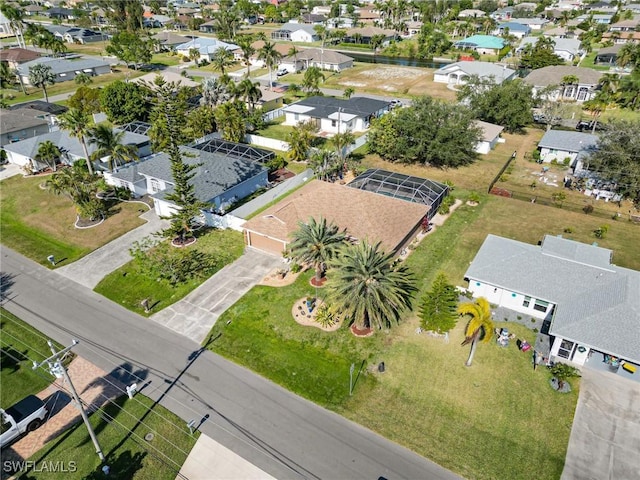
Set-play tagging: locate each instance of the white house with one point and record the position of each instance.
(65, 69)
(518, 30)
(335, 115)
(591, 306)
(566, 48)
(296, 32)
(221, 178)
(207, 47)
(534, 23)
(316, 57)
(559, 145)
(583, 90)
(490, 136)
(458, 73)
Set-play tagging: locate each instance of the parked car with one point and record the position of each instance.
(281, 72)
(396, 103)
(23, 417)
(587, 126)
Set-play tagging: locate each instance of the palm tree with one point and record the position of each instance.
(230, 122)
(348, 92)
(222, 59)
(250, 92)
(214, 92)
(14, 14)
(108, 143)
(340, 142)
(78, 125)
(194, 55)
(367, 287)
(317, 243)
(49, 153)
(311, 80)
(479, 327)
(324, 163)
(293, 52)
(376, 42)
(83, 79)
(248, 50)
(80, 186)
(271, 57)
(40, 75)
(300, 139)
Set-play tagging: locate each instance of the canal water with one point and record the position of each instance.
(402, 61)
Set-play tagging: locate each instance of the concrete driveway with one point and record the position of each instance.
(194, 315)
(92, 268)
(605, 437)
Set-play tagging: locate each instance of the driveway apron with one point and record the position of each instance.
(92, 268)
(194, 315)
(605, 437)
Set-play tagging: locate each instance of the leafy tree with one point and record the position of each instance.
(430, 132)
(340, 142)
(109, 144)
(222, 59)
(553, 111)
(159, 133)
(194, 55)
(78, 124)
(168, 111)
(227, 22)
(49, 153)
(6, 76)
(311, 80)
(86, 99)
(628, 94)
(317, 243)
(348, 92)
(438, 309)
(376, 42)
(83, 79)
(563, 372)
(124, 102)
(479, 326)
(131, 48)
(201, 121)
(508, 104)
(367, 287)
(80, 187)
(230, 120)
(324, 163)
(540, 55)
(616, 157)
(300, 139)
(14, 15)
(271, 57)
(41, 76)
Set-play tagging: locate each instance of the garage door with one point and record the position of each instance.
(264, 243)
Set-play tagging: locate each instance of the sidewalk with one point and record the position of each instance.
(90, 384)
(92, 268)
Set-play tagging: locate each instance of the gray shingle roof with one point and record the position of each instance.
(216, 175)
(59, 65)
(16, 120)
(568, 141)
(597, 303)
(360, 106)
(553, 75)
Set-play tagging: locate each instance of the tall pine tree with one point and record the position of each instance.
(438, 308)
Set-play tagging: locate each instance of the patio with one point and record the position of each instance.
(542, 343)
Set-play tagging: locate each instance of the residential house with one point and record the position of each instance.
(367, 14)
(66, 69)
(16, 56)
(365, 34)
(362, 213)
(316, 57)
(313, 19)
(534, 23)
(516, 29)
(17, 125)
(281, 48)
(83, 35)
(458, 73)
(209, 27)
(49, 111)
(622, 37)
(590, 307)
(567, 49)
(632, 7)
(270, 99)
(59, 13)
(483, 44)
(168, 41)
(24, 153)
(490, 136)
(601, 7)
(166, 76)
(33, 9)
(624, 31)
(413, 28)
(563, 32)
(206, 46)
(5, 27)
(598, 18)
(585, 89)
(220, 179)
(471, 13)
(296, 32)
(608, 55)
(560, 145)
(630, 25)
(502, 14)
(335, 115)
(157, 21)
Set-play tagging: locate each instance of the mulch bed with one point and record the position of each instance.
(317, 283)
(361, 332)
(179, 243)
(87, 222)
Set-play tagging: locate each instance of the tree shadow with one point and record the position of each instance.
(11, 359)
(6, 282)
(122, 466)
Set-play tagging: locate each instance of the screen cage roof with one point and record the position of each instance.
(403, 187)
(136, 127)
(238, 150)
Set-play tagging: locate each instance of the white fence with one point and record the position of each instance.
(273, 114)
(267, 142)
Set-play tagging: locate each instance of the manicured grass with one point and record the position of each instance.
(21, 345)
(263, 336)
(463, 418)
(129, 455)
(37, 223)
(165, 59)
(128, 287)
(277, 131)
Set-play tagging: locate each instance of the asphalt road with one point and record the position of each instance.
(279, 432)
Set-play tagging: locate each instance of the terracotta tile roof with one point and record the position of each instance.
(18, 55)
(363, 214)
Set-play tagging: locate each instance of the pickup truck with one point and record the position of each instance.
(25, 416)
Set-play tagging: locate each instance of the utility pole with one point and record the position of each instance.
(56, 368)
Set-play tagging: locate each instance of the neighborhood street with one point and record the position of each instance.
(281, 433)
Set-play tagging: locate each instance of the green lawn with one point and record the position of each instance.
(464, 419)
(129, 455)
(128, 287)
(277, 131)
(37, 223)
(21, 345)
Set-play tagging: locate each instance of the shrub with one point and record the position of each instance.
(568, 230)
(566, 162)
(325, 317)
(295, 268)
(601, 231)
(474, 197)
(587, 209)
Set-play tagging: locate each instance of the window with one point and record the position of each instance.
(526, 302)
(541, 305)
(155, 185)
(566, 348)
(333, 123)
(296, 116)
